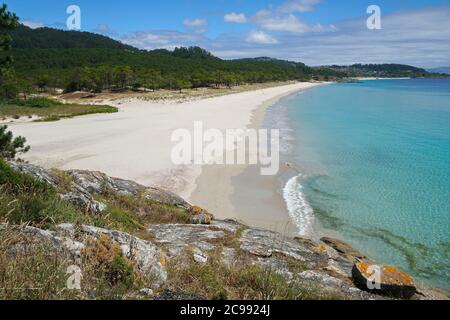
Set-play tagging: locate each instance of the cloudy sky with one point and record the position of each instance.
(316, 32)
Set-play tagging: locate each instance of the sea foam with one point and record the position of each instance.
(299, 209)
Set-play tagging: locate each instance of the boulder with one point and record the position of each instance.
(390, 281)
(200, 216)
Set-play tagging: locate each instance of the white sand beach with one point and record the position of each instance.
(135, 143)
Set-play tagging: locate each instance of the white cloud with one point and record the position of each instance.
(33, 24)
(417, 37)
(272, 21)
(235, 18)
(105, 30)
(195, 23)
(166, 39)
(292, 6)
(260, 37)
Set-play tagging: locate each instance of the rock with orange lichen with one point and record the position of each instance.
(200, 215)
(385, 280)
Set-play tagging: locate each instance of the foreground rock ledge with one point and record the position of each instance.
(331, 265)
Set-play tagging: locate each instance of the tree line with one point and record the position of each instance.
(98, 69)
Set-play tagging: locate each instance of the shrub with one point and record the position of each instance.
(104, 261)
(23, 198)
(10, 146)
(38, 102)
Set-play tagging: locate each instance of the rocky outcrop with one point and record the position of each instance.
(316, 267)
(331, 265)
(85, 184)
(35, 171)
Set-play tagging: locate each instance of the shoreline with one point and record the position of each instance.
(135, 143)
(241, 193)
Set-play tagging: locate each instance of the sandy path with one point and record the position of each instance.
(136, 142)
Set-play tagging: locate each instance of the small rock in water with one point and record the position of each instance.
(390, 281)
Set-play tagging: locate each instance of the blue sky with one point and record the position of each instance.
(313, 31)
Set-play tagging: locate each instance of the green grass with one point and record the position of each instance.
(145, 211)
(24, 199)
(40, 273)
(242, 281)
(48, 110)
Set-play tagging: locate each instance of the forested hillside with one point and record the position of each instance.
(45, 38)
(378, 70)
(74, 61)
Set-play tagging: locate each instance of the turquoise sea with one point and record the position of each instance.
(374, 159)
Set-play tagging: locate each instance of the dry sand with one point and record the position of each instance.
(135, 144)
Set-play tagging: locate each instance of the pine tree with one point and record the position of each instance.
(10, 146)
(8, 20)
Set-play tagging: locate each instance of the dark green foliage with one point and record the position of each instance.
(8, 83)
(25, 37)
(24, 199)
(379, 70)
(10, 146)
(35, 103)
(84, 61)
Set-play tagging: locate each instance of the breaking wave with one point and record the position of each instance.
(300, 211)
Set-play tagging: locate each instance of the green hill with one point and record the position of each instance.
(48, 38)
(379, 70)
(46, 57)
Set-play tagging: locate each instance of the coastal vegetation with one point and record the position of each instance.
(45, 109)
(10, 146)
(380, 71)
(15, 89)
(47, 58)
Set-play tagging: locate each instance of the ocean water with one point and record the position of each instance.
(374, 168)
